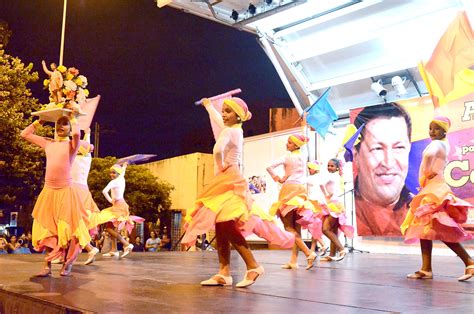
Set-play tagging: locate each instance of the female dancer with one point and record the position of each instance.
(334, 218)
(317, 199)
(58, 226)
(292, 197)
(435, 213)
(118, 215)
(226, 202)
(79, 172)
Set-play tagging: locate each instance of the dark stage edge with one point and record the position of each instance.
(168, 282)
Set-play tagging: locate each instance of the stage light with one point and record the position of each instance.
(378, 88)
(234, 15)
(252, 9)
(398, 85)
(268, 2)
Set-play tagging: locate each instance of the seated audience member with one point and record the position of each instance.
(105, 243)
(13, 244)
(165, 244)
(3, 245)
(138, 245)
(22, 247)
(153, 243)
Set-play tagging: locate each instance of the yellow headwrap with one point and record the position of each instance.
(239, 107)
(443, 122)
(299, 140)
(314, 165)
(117, 169)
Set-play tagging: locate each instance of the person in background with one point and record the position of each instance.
(152, 244)
(138, 245)
(3, 245)
(165, 244)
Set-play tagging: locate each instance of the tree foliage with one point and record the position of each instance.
(21, 164)
(145, 194)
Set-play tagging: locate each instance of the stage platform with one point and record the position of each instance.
(168, 282)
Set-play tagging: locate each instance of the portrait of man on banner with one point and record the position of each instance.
(380, 164)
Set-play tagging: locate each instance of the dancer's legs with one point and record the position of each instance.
(289, 222)
(426, 249)
(223, 249)
(461, 252)
(330, 226)
(114, 234)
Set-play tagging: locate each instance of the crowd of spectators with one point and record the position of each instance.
(16, 245)
(22, 245)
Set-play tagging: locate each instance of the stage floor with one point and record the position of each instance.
(169, 282)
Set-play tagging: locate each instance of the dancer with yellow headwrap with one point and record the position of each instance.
(226, 203)
(291, 206)
(435, 213)
(317, 200)
(118, 215)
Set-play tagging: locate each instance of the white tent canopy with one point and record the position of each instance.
(315, 44)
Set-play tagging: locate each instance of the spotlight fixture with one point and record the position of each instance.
(398, 85)
(252, 9)
(268, 2)
(378, 88)
(234, 15)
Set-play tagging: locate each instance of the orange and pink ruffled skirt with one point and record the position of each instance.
(119, 216)
(436, 214)
(337, 210)
(228, 198)
(91, 212)
(58, 223)
(293, 197)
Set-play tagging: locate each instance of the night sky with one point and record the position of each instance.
(149, 65)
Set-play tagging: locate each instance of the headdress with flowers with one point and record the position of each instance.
(73, 88)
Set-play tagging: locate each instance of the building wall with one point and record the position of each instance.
(189, 174)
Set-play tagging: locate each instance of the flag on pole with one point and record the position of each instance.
(321, 114)
(448, 74)
(352, 141)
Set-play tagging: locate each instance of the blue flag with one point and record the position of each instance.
(321, 114)
(351, 142)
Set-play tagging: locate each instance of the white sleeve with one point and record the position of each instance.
(219, 147)
(216, 120)
(112, 184)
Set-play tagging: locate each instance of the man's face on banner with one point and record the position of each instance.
(382, 160)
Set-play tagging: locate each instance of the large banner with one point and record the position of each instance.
(387, 159)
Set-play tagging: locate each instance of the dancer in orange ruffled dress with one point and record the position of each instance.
(118, 215)
(226, 203)
(58, 226)
(334, 217)
(292, 205)
(435, 213)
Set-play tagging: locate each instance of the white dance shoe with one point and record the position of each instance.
(91, 256)
(127, 250)
(111, 254)
(248, 282)
(227, 281)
